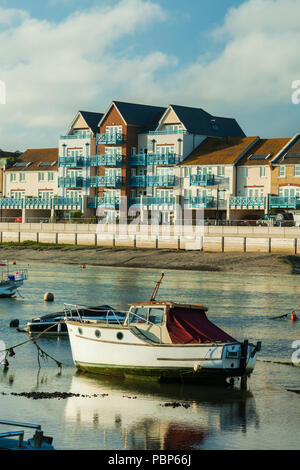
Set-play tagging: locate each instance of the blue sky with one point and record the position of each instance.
(233, 58)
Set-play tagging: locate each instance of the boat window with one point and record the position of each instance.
(156, 315)
(139, 315)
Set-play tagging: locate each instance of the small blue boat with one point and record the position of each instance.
(14, 440)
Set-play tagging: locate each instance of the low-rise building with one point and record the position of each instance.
(30, 185)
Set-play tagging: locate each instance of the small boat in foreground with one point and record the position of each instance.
(14, 440)
(11, 280)
(50, 321)
(161, 340)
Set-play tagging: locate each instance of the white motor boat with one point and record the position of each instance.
(160, 340)
(11, 279)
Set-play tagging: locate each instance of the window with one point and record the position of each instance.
(45, 194)
(41, 176)
(165, 149)
(297, 170)
(17, 194)
(50, 176)
(221, 171)
(262, 171)
(282, 171)
(22, 177)
(289, 191)
(13, 177)
(156, 315)
(112, 130)
(139, 315)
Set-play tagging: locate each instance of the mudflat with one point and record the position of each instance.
(250, 263)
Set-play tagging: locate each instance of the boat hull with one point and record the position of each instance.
(97, 349)
(9, 288)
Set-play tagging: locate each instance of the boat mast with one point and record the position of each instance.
(156, 288)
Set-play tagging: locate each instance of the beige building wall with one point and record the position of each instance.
(254, 180)
(31, 185)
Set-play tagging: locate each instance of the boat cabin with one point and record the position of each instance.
(172, 323)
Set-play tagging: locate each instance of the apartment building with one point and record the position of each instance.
(30, 185)
(255, 174)
(209, 174)
(155, 162)
(78, 161)
(122, 175)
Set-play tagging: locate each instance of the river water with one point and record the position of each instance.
(135, 415)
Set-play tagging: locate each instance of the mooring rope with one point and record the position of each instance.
(10, 350)
(285, 314)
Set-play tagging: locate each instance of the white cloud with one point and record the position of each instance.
(53, 69)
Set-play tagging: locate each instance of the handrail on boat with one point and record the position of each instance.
(69, 309)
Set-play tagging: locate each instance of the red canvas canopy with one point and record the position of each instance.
(187, 325)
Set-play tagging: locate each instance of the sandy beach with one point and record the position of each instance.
(251, 263)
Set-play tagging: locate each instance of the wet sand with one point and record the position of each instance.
(250, 263)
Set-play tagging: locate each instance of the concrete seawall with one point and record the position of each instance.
(209, 238)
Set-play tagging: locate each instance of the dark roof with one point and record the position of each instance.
(33, 157)
(198, 121)
(92, 119)
(219, 151)
(142, 115)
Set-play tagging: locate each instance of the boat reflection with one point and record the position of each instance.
(152, 416)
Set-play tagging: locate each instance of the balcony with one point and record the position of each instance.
(195, 202)
(105, 181)
(71, 161)
(79, 135)
(105, 160)
(138, 159)
(66, 202)
(163, 159)
(103, 202)
(283, 202)
(241, 202)
(158, 201)
(162, 181)
(150, 201)
(110, 138)
(138, 181)
(40, 203)
(71, 182)
(202, 180)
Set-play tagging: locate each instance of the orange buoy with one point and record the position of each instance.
(13, 262)
(294, 317)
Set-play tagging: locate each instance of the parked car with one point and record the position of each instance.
(282, 219)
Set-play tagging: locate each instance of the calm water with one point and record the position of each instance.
(133, 415)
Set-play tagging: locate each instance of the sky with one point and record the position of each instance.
(233, 58)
